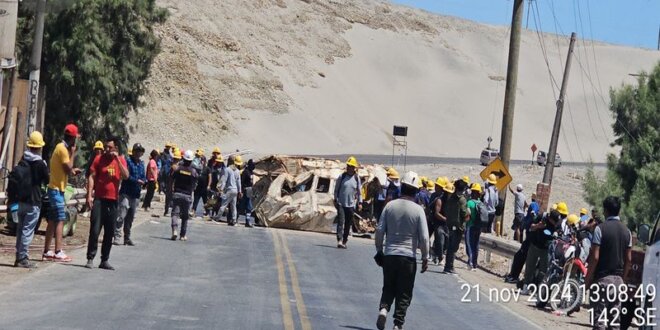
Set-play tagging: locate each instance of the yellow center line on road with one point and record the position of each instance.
(287, 317)
(300, 303)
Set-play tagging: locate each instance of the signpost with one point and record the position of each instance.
(399, 134)
(533, 151)
(498, 168)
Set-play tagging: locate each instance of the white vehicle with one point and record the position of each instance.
(488, 155)
(542, 158)
(651, 273)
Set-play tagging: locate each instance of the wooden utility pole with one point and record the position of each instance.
(510, 91)
(550, 163)
(35, 66)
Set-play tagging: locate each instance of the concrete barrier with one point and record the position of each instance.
(498, 245)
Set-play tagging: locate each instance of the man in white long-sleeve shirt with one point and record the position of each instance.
(402, 229)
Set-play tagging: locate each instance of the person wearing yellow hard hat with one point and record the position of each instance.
(230, 186)
(246, 185)
(584, 216)
(347, 198)
(98, 150)
(473, 225)
(519, 207)
(423, 195)
(456, 212)
(216, 151)
(31, 173)
(175, 160)
(393, 190)
(491, 199)
(562, 208)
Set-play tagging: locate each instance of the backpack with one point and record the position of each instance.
(482, 213)
(19, 188)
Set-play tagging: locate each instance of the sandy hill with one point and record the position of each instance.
(333, 76)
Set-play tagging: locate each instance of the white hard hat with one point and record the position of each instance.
(189, 155)
(519, 187)
(411, 179)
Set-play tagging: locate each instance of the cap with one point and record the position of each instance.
(71, 130)
(138, 148)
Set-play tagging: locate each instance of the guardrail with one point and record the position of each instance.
(498, 245)
(78, 198)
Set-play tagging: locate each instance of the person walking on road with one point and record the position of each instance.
(152, 176)
(176, 158)
(520, 204)
(129, 195)
(473, 226)
(246, 185)
(401, 230)
(184, 179)
(609, 263)
(457, 214)
(29, 208)
(61, 166)
(203, 186)
(491, 199)
(107, 171)
(165, 163)
(230, 186)
(437, 222)
(347, 198)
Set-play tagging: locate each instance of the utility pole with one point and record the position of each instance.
(35, 66)
(510, 91)
(550, 163)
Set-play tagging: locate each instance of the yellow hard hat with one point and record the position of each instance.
(168, 145)
(352, 162)
(216, 150)
(98, 145)
(219, 159)
(430, 184)
(199, 152)
(177, 154)
(441, 181)
(238, 160)
(553, 207)
(492, 179)
(562, 208)
(392, 173)
(130, 151)
(466, 179)
(36, 140)
(449, 187)
(583, 211)
(476, 187)
(573, 219)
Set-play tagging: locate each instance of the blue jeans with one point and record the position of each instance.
(56, 210)
(28, 217)
(472, 235)
(246, 205)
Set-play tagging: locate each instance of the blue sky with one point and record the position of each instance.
(627, 22)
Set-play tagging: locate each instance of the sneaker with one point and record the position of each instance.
(106, 265)
(474, 269)
(525, 290)
(398, 327)
(89, 264)
(184, 238)
(344, 245)
(61, 257)
(115, 241)
(382, 318)
(48, 255)
(339, 244)
(510, 280)
(174, 235)
(24, 263)
(129, 242)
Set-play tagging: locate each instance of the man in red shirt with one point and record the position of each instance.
(106, 173)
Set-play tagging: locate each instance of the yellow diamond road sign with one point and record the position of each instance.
(501, 172)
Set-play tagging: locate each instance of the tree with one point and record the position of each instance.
(96, 57)
(635, 172)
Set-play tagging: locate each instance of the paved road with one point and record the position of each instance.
(233, 278)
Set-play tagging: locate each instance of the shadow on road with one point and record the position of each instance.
(7, 265)
(354, 327)
(326, 246)
(586, 325)
(161, 237)
(71, 265)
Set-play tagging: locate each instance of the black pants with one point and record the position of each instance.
(398, 283)
(168, 201)
(453, 242)
(439, 232)
(200, 194)
(489, 228)
(151, 190)
(344, 222)
(378, 209)
(519, 259)
(104, 214)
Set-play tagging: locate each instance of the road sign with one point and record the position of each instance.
(501, 172)
(534, 147)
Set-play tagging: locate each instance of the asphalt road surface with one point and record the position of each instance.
(234, 278)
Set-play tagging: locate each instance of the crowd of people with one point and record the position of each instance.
(114, 185)
(412, 210)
